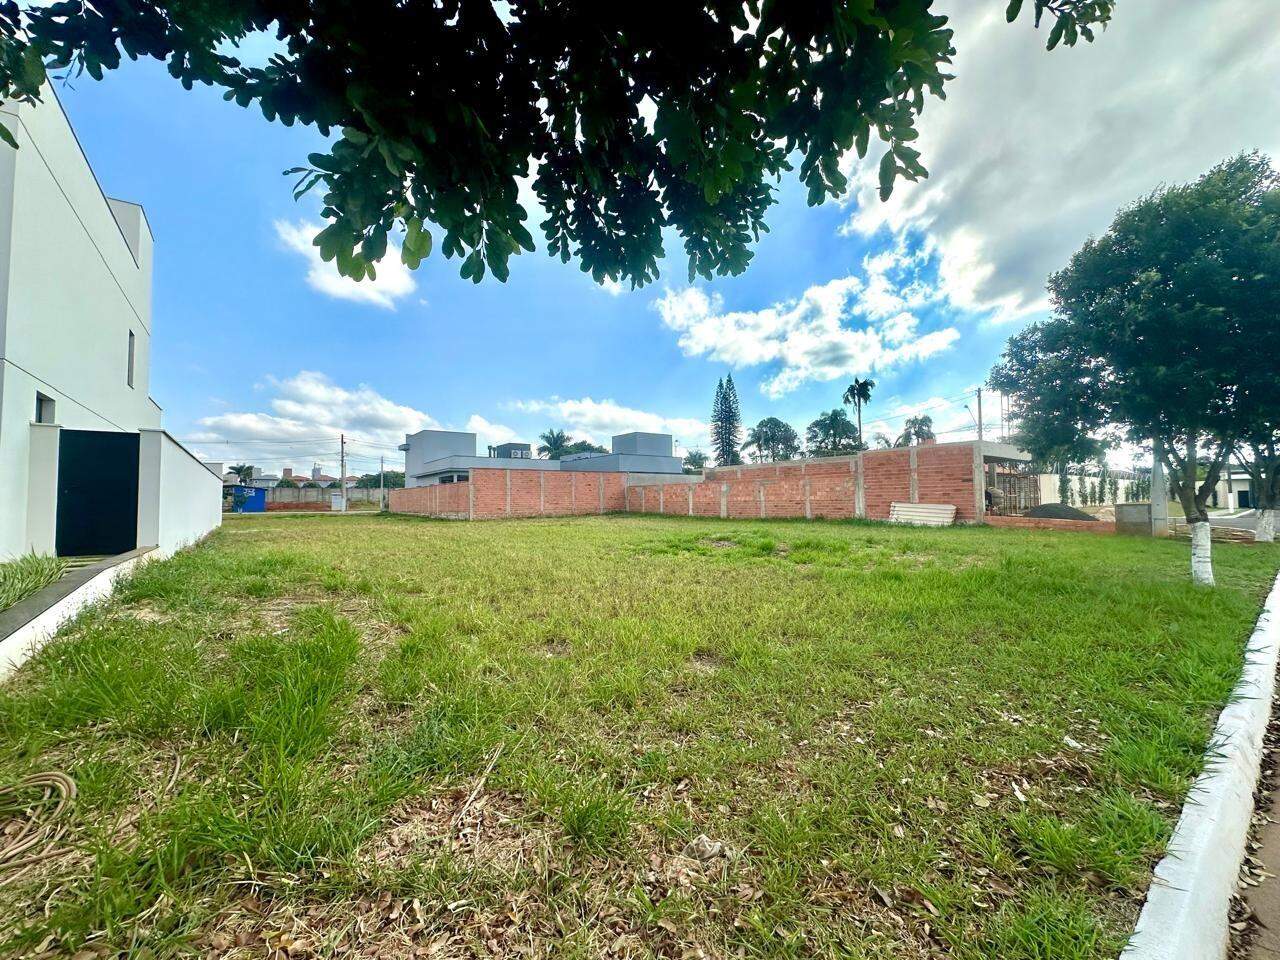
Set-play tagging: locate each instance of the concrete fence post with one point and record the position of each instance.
(542, 493)
(913, 481)
(808, 505)
(690, 492)
(507, 473)
(724, 501)
(859, 487)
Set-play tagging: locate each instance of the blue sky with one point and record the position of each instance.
(1031, 152)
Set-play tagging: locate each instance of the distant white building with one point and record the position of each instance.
(85, 465)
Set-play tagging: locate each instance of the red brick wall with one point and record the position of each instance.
(944, 474)
(1041, 523)
(317, 505)
(817, 488)
(888, 478)
(496, 492)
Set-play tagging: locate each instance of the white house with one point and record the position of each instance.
(85, 466)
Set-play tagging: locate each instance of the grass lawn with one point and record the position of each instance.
(623, 736)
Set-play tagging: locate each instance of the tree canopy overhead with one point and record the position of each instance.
(628, 117)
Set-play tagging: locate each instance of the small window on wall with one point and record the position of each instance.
(131, 349)
(44, 409)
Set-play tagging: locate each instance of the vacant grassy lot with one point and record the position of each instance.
(623, 736)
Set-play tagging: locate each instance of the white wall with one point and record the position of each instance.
(179, 498)
(75, 279)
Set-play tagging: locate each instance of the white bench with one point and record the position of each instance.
(923, 514)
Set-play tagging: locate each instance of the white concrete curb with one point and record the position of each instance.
(1186, 913)
(23, 643)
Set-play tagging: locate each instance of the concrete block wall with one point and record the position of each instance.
(495, 493)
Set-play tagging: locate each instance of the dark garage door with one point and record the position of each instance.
(97, 493)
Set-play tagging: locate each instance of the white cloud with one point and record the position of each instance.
(302, 418)
(394, 280)
(837, 329)
(599, 420)
(490, 433)
(1033, 151)
(301, 423)
(613, 288)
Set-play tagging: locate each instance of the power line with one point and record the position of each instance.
(207, 440)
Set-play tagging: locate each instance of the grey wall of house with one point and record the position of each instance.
(319, 494)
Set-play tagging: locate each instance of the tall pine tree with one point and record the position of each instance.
(726, 423)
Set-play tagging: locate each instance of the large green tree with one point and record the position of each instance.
(1164, 332)
(772, 440)
(390, 479)
(916, 430)
(627, 117)
(832, 434)
(695, 461)
(726, 423)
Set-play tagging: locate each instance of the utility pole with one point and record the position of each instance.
(382, 482)
(979, 414)
(342, 468)
(1159, 492)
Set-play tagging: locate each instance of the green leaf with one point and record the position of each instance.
(1055, 35)
(32, 69)
(1011, 12)
(888, 169)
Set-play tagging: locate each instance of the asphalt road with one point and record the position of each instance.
(1248, 520)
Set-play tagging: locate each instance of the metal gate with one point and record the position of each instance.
(97, 493)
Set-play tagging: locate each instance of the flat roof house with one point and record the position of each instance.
(85, 465)
(448, 456)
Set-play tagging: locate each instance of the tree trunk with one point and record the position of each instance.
(1201, 558)
(1265, 532)
(1263, 468)
(1183, 474)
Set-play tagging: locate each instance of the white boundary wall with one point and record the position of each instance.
(179, 498)
(1186, 913)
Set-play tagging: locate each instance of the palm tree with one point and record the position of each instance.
(243, 472)
(858, 393)
(554, 443)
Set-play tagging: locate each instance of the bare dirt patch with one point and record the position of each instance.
(490, 827)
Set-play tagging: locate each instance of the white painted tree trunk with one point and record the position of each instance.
(1201, 563)
(1266, 530)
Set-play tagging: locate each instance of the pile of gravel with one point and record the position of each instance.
(1058, 511)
